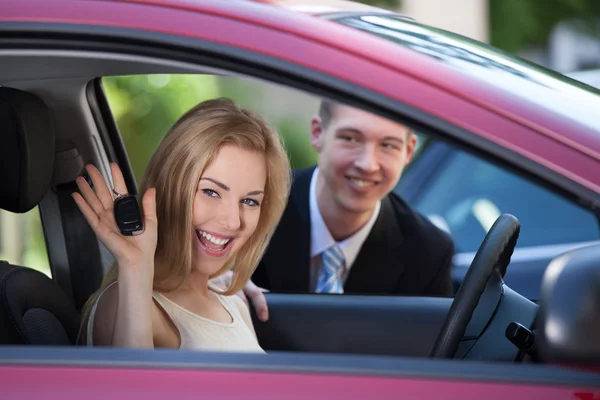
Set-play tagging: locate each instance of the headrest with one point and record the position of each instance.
(26, 150)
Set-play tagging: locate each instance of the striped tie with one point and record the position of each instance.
(332, 269)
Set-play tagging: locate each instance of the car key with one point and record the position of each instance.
(128, 214)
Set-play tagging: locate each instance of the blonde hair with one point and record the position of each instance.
(175, 168)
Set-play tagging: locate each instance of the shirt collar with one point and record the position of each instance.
(320, 237)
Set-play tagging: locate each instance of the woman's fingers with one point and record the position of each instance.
(100, 187)
(89, 196)
(104, 230)
(149, 207)
(97, 208)
(118, 180)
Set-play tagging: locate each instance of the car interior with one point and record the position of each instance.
(55, 118)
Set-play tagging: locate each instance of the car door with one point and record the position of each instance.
(464, 193)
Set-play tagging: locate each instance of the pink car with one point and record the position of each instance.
(489, 341)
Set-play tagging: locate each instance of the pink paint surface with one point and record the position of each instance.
(112, 383)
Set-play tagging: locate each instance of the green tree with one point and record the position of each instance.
(518, 24)
(391, 4)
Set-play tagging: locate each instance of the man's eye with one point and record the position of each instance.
(251, 202)
(348, 139)
(210, 193)
(390, 146)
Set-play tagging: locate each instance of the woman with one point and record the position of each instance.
(213, 194)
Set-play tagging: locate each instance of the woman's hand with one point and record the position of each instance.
(132, 253)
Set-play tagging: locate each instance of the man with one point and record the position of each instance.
(343, 230)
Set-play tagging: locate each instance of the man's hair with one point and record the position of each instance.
(326, 110)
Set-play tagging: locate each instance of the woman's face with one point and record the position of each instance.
(227, 206)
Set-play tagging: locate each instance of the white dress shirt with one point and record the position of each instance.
(321, 239)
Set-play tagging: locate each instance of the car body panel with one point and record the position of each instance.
(147, 374)
(158, 383)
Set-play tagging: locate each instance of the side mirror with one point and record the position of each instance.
(569, 315)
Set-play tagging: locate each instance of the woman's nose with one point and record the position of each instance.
(229, 216)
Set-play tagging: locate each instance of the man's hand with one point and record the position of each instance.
(250, 292)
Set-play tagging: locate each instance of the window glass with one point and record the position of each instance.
(469, 194)
(22, 240)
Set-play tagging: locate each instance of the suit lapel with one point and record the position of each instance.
(379, 266)
(288, 267)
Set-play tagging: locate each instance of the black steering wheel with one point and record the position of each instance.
(493, 254)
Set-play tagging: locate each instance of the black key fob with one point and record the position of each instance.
(128, 215)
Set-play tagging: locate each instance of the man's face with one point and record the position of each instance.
(361, 157)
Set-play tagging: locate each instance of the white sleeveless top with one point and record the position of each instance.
(199, 333)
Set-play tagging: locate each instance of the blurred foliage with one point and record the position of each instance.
(35, 254)
(145, 107)
(518, 24)
(391, 4)
(292, 128)
(26, 244)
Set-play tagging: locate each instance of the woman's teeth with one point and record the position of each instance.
(213, 239)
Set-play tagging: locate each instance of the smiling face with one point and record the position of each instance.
(361, 158)
(227, 206)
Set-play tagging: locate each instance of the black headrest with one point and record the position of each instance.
(26, 150)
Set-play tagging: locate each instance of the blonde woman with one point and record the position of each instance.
(213, 194)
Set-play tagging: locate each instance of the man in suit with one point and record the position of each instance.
(344, 230)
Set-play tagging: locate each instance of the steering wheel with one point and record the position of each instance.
(493, 254)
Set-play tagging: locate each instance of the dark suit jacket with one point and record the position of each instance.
(405, 254)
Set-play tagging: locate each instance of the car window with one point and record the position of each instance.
(468, 194)
(22, 240)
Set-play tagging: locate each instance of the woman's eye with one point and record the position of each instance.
(251, 202)
(210, 193)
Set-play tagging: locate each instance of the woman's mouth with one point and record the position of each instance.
(213, 244)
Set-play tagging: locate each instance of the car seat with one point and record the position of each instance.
(33, 308)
